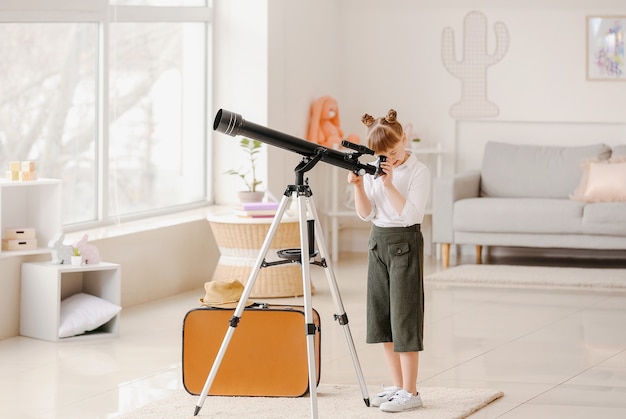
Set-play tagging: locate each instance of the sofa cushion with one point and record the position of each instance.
(518, 215)
(535, 171)
(603, 181)
(606, 218)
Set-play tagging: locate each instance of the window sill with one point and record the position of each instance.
(146, 224)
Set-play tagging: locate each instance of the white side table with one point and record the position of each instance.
(45, 284)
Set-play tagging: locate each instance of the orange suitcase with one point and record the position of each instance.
(266, 356)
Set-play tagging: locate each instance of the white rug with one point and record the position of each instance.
(333, 401)
(533, 276)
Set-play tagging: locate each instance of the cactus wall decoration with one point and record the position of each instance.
(471, 69)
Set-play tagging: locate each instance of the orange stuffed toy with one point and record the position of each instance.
(324, 126)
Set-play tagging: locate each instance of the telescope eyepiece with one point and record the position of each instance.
(379, 170)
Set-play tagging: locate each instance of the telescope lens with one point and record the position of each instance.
(227, 122)
(218, 118)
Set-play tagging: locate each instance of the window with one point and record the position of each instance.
(48, 97)
(112, 99)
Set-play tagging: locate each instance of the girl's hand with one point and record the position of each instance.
(355, 179)
(387, 177)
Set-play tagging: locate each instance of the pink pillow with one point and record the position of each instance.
(602, 181)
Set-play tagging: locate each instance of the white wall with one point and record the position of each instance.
(541, 77)
(240, 71)
(303, 65)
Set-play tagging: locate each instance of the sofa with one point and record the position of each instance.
(534, 196)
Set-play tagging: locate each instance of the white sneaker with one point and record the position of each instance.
(402, 401)
(384, 396)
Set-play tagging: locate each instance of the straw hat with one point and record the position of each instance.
(223, 294)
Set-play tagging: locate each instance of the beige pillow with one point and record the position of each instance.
(602, 181)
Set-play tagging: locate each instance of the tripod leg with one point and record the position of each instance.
(308, 304)
(241, 305)
(342, 318)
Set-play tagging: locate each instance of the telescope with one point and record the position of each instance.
(233, 124)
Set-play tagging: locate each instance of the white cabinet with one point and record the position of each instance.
(31, 204)
(338, 184)
(44, 285)
(433, 158)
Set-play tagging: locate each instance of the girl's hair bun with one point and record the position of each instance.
(391, 116)
(383, 133)
(368, 120)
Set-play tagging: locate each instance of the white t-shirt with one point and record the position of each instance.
(412, 179)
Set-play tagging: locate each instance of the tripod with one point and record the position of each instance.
(305, 201)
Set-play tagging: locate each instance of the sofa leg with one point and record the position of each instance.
(479, 254)
(445, 254)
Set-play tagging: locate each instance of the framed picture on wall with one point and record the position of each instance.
(606, 59)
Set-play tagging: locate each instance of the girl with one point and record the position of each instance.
(395, 203)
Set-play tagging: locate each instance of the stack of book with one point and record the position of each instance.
(257, 209)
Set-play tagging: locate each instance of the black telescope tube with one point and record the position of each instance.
(233, 124)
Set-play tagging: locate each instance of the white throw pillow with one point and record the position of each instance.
(602, 181)
(82, 312)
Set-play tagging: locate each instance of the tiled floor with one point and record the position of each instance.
(555, 354)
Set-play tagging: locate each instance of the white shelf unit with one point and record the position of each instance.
(45, 284)
(31, 204)
(335, 213)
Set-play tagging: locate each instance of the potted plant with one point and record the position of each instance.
(76, 258)
(251, 148)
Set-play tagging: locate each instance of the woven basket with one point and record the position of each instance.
(240, 245)
(273, 282)
(252, 236)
